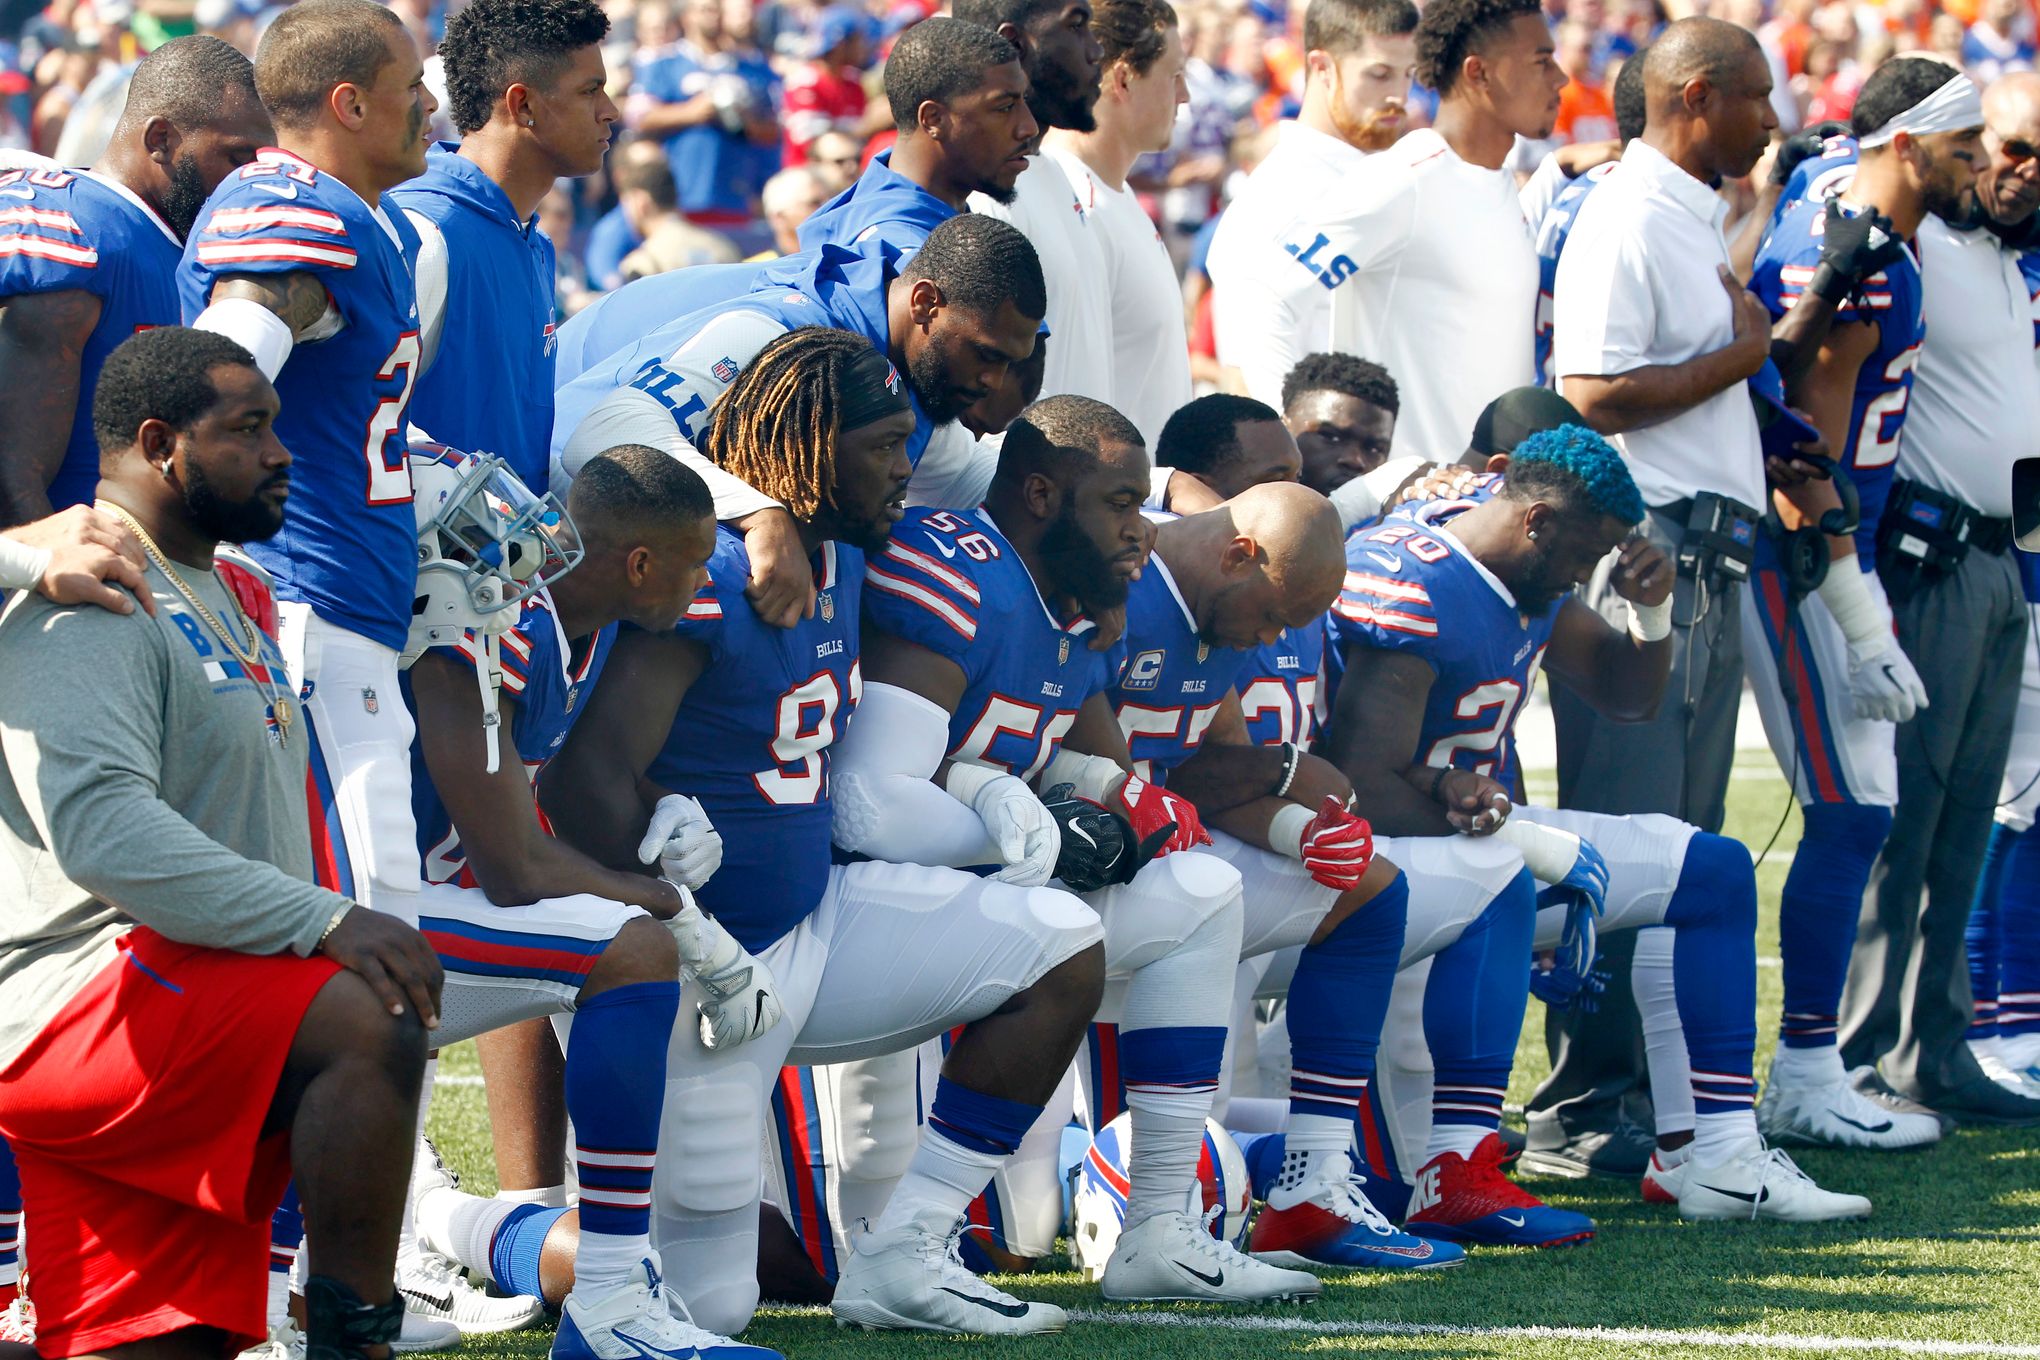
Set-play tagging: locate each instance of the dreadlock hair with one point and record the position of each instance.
(776, 426)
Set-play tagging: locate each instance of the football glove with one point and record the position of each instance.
(1883, 684)
(1852, 249)
(1801, 146)
(1337, 846)
(1563, 989)
(743, 998)
(1097, 848)
(1588, 877)
(683, 841)
(1148, 807)
(1579, 943)
(1027, 836)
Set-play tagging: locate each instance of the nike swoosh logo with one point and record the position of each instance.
(758, 1013)
(1011, 1310)
(1745, 1196)
(1885, 1127)
(1215, 1279)
(443, 1302)
(1385, 562)
(643, 1348)
(942, 547)
(1515, 1222)
(1078, 831)
(280, 190)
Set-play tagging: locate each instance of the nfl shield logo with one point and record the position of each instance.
(826, 606)
(573, 697)
(1203, 652)
(725, 369)
(1062, 652)
(369, 702)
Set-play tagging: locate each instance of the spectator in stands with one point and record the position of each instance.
(711, 108)
(790, 198)
(650, 200)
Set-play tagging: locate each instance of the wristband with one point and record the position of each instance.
(1856, 611)
(1651, 622)
(1286, 829)
(332, 925)
(966, 781)
(1291, 758)
(1092, 777)
(22, 566)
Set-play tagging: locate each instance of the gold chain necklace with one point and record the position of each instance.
(280, 707)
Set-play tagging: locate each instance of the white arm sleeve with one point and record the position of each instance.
(887, 804)
(430, 277)
(21, 566)
(253, 327)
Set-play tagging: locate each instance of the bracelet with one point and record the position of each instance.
(332, 926)
(1438, 779)
(1291, 758)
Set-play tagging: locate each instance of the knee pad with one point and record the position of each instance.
(1717, 882)
(1205, 886)
(710, 1143)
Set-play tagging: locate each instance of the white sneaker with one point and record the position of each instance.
(17, 1322)
(419, 1334)
(909, 1279)
(1173, 1256)
(2021, 1053)
(2013, 1079)
(636, 1321)
(1760, 1182)
(285, 1342)
(1838, 1116)
(435, 1289)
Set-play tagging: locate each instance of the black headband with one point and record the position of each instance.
(871, 390)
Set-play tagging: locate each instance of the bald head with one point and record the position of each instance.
(2008, 184)
(1707, 91)
(1694, 49)
(2013, 96)
(1301, 535)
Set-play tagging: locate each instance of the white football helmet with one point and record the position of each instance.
(486, 543)
(1221, 1195)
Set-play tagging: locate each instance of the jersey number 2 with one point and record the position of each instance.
(385, 449)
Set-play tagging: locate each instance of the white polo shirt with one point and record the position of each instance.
(1433, 275)
(1266, 312)
(1637, 286)
(1150, 344)
(1080, 339)
(1976, 395)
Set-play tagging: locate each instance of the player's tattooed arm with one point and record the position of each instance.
(514, 861)
(42, 347)
(299, 299)
(1373, 738)
(591, 789)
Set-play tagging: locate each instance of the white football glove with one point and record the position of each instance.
(743, 998)
(683, 841)
(1027, 835)
(1882, 681)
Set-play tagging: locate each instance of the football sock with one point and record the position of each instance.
(462, 1226)
(2019, 952)
(1104, 1088)
(616, 1091)
(286, 1241)
(1653, 983)
(967, 1135)
(1338, 1001)
(10, 1217)
(421, 1159)
(1817, 915)
(1473, 1014)
(1714, 963)
(511, 1258)
(545, 1196)
(1171, 1043)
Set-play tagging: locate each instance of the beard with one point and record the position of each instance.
(1539, 588)
(928, 380)
(1076, 568)
(1001, 195)
(186, 196)
(1056, 99)
(225, 521)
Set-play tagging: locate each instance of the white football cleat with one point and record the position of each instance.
(1665, 1176)
(1173, 1256)
(17, 1323)
(639, 1320)
(1838, 1116)
(909, 1279)
(2013, 1079)
(435, 1290)
(1760, 1182)
(420, 1335)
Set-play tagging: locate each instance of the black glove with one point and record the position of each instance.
(1800, 146)
(1098, 848)
(1851, 250)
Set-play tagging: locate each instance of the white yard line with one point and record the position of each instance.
(1644, 1336)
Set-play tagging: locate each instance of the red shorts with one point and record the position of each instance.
(136, 1116)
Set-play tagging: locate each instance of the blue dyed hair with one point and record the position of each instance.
(1573, 466)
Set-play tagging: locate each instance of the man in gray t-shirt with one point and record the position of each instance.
(181, 1008)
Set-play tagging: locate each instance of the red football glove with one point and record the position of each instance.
(251, 589)
(1337, 846)
(1150, 807)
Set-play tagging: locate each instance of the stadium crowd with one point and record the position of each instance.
(917, 622)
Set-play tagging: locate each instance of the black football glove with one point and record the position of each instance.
(1801, 146)
(1852, 249)
(1098, 848)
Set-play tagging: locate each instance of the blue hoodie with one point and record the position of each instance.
(880, 204)
(489, 387)
(623, 317)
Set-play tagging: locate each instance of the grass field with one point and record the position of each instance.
(1949, 1265)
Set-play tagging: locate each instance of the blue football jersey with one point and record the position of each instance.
(715, 170)
(1280, 687)
(752, 738)
(349, 543)
(951, 582)
(1415, 589)
(622, 317)
(1890, 300)
(547, 679)
(1172, 682)
(881, 205)
(1818, 178)
(65, 230)
(2029, 266)
(1551, 238)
